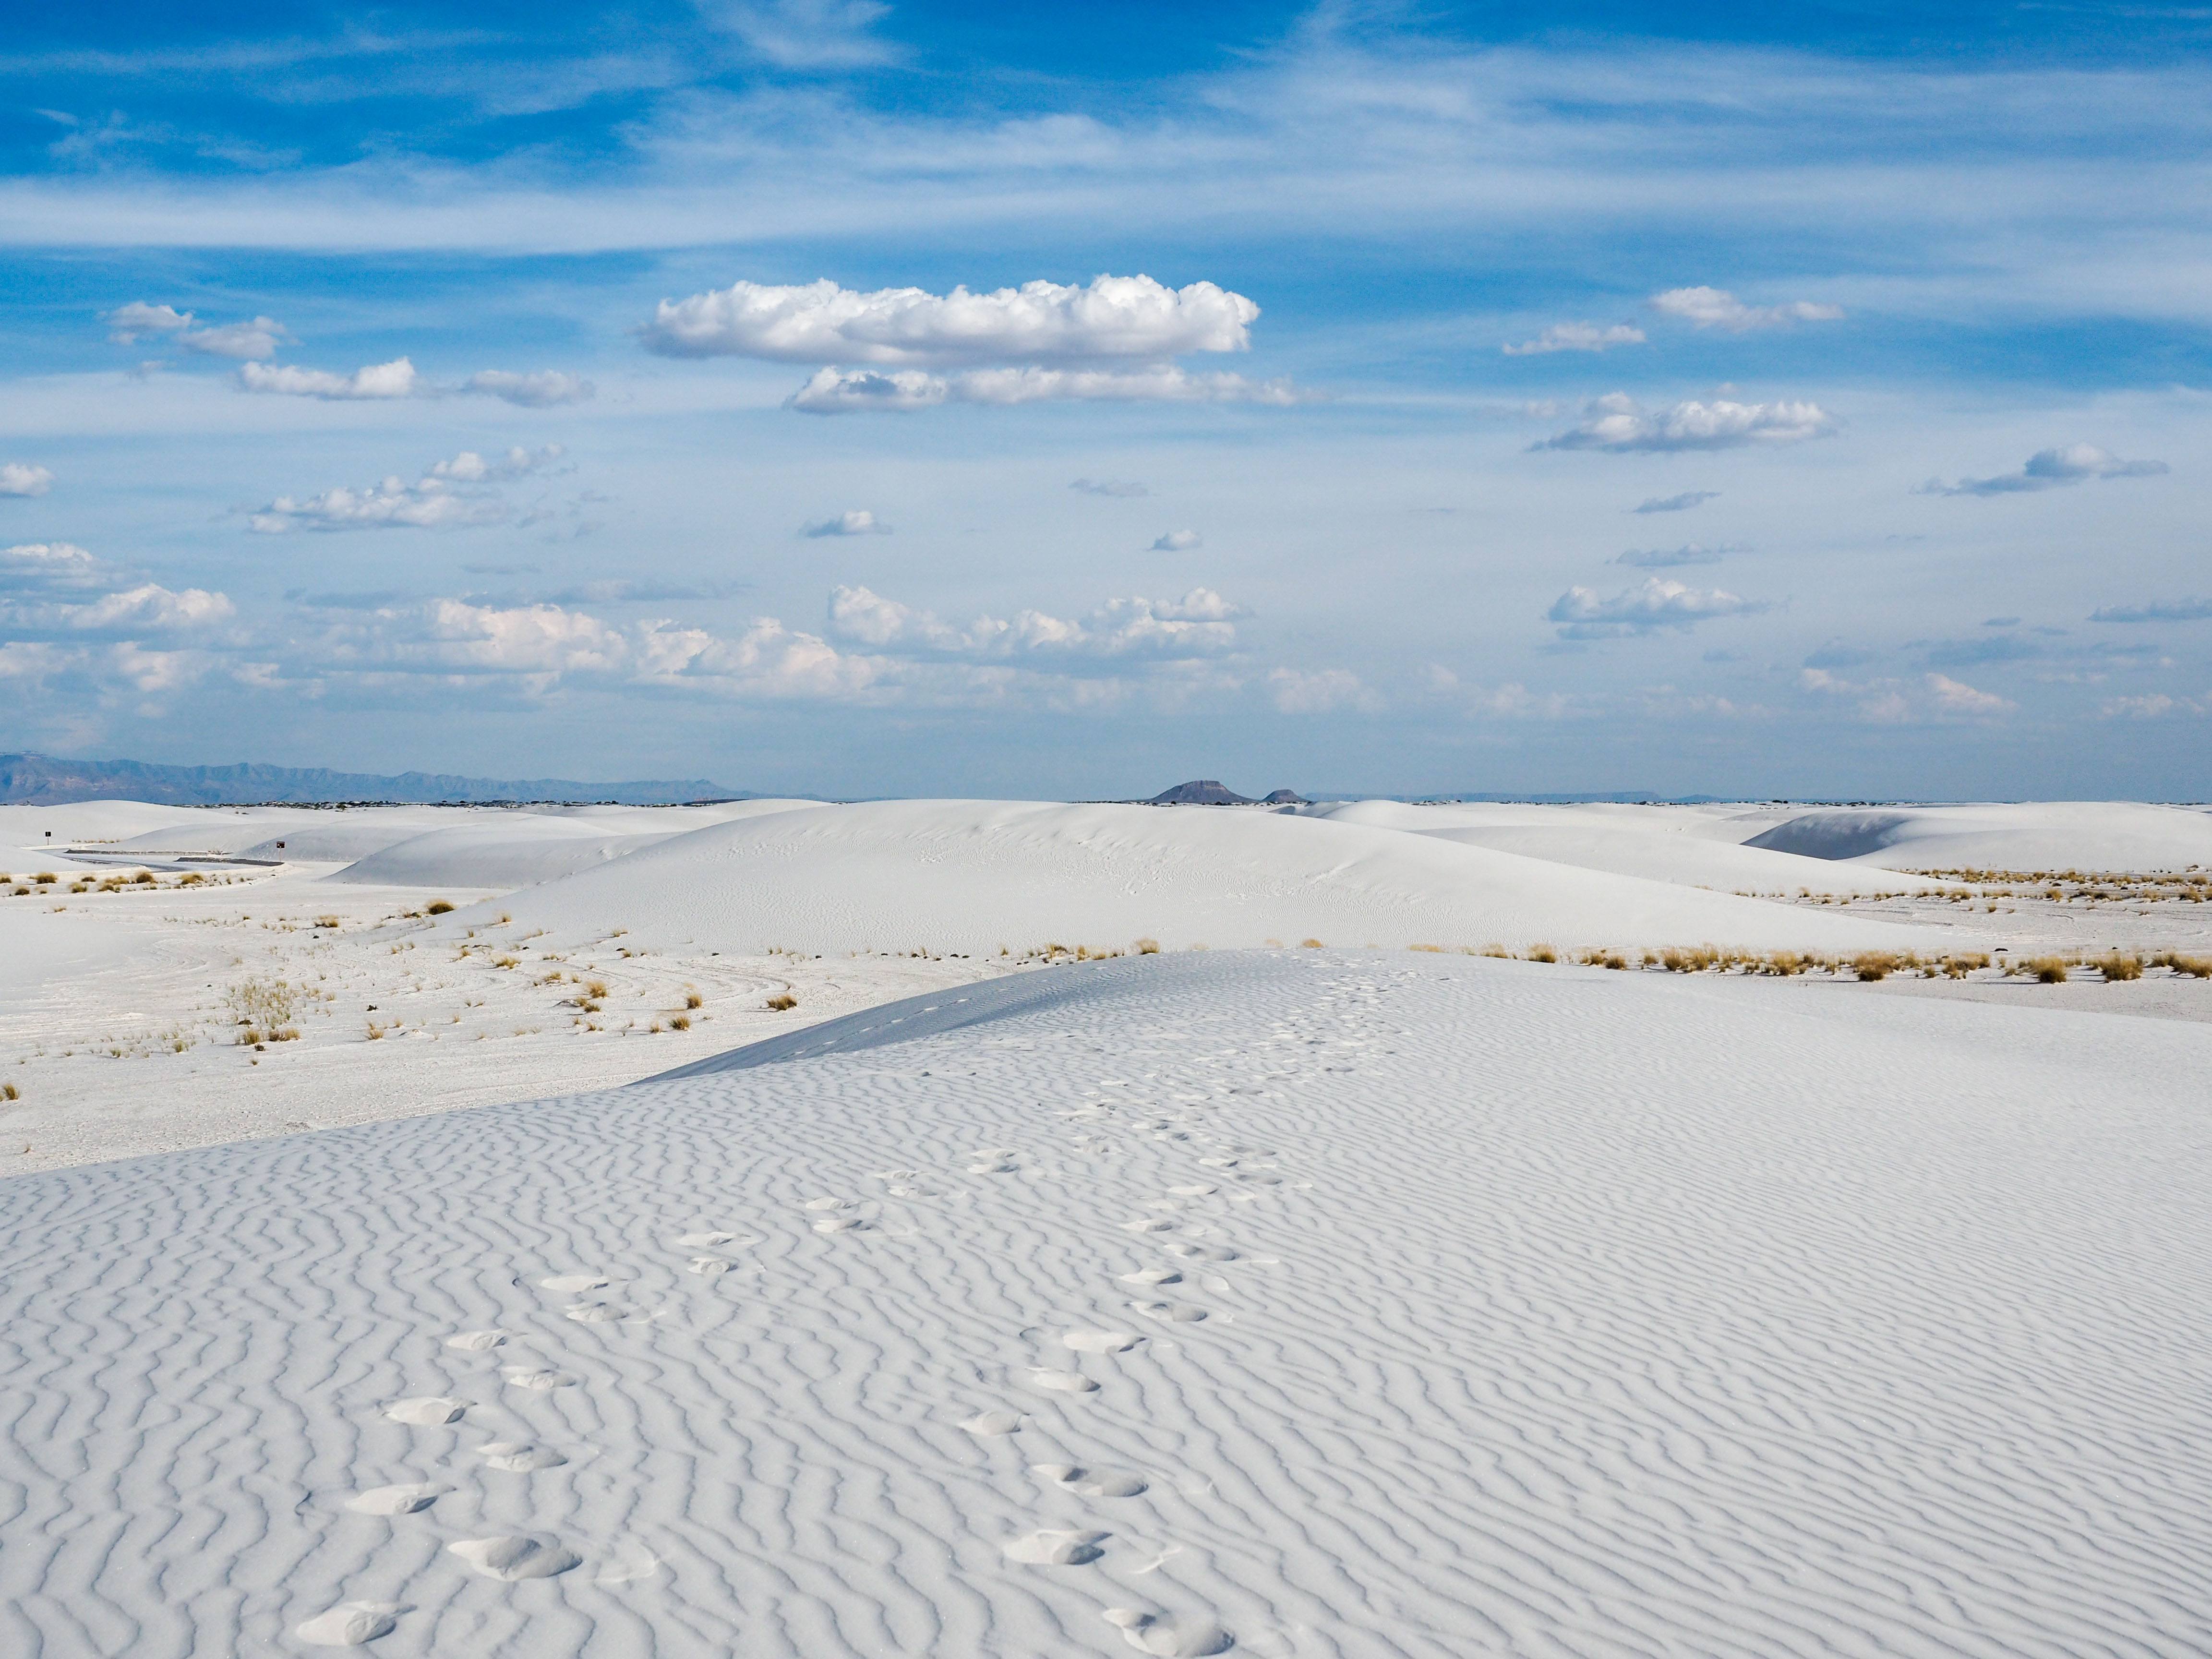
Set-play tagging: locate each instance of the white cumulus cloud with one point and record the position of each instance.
(1659, 603)
(252, 340)
(821, 322)
(1716, 307)
(396, 378)
(1619, 423)
(1200, 622)
(1576, 337)
(1178, 541)
(2050, 469)
(450, 495)
(856, 521)
(20, 478)
(1956, 697)
(60, 588)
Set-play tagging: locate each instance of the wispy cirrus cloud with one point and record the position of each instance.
(909, 390)
(2158, 610)
(1576, 337)
(1667, 558)
(1617, 423)
(855, 521)
(2050, 469)
(1681, 503)
(1716, 307)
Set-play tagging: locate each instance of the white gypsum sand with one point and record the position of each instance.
(1422, 1305)
(120, 1019)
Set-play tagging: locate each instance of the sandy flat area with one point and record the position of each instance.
(1274, 1302)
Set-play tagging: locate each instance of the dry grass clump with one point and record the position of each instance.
(1957, 966)
(264, 1010)
(506, 961)
(46, 879)
(1434, 950)
(2192, 967)
(595, 988)
(1148, 947)
(9, 1091)
(1597, 958)
(1873, 965)
(679, 1022)
(2044, 970)
(437, 907)
(1309, 944)
(1696, 961)
(1542, 953)
(693, 1000)
(326, 921)
(191, 878)
(2116, 966)
(783, 1002)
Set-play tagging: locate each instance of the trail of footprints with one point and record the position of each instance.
(511, 1557)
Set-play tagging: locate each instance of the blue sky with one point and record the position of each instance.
(1687, 399)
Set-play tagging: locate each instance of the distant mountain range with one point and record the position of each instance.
(42, 781)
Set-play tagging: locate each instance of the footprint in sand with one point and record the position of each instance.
(1202, 1252)
(827, 1204)
(1148, 1224)
(1196, 1189)
(987, 1425)
(477, 1341)
(1051, 1548)
(525, 1555)
(1062, 1382)
(1091, 1483)
(1218, 1162)
(1171, 1638)
(574, 1283)
(626, 1562)
(997, 1166)
(594, 1313)
(532, 1376)
(426, 1413)
(1100, 1341)
(397, 1500)
(518, 1457)
(1174, 1312)
(1152, 1276)
(351, 1624)
(841, 1223)
(711, 1241)
(710, 1264)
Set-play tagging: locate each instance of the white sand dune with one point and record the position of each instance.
(521, 849)
(1282, 1303)
(2115, 835)
(977, 876)
(1656, 846)
(40, 829)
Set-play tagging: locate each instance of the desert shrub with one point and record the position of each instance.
(285, 1034)
(1148, 947)
(2193, 967)
(191, 878)
(2117, 966)
(1957, 967)
(783, 1002)
(259, 1004)
(679, 1022)
(1309, 944)
(597, 987)
(506, 961)
(2045, 970)
(45, 878)
(9, 1091)
(1434, 950)
(144, 878)
(693, 1000)
(437, 907)
(1874, 964)
(1542, 953)
(1787, 964)
(326, 921)
(1678, 960)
